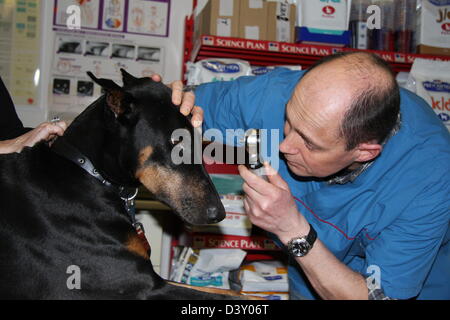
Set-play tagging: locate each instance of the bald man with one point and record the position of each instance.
(360, 200)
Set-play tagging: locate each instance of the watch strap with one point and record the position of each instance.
(312, 236)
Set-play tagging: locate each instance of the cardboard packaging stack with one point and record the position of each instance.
(281, 20)
(433, 27)
(219, 18)
(252, 19)
(271, 20)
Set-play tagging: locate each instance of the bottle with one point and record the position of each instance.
(358, 24)
(405, 21)
(384, 38)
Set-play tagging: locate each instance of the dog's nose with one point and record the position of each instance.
(213, 214)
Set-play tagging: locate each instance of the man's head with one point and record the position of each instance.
(341, 112)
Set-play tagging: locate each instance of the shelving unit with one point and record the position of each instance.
(267, 53)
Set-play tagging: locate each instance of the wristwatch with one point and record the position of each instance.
(300, 246)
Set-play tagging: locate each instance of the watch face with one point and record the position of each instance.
(300, 247)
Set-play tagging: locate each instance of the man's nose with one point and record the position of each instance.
(287, 147)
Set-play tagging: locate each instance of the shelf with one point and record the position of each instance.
(267, 53)
(223, 241)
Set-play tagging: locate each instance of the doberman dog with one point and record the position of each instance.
(63, 206)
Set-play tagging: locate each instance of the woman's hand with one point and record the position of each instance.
(46, 131)
(185, 100)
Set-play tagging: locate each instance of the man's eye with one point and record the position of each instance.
(309, 146)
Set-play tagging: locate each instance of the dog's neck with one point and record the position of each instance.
(94, 135)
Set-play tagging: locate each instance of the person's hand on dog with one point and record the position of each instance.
(47, 131)
(186, 101)
(271, 206)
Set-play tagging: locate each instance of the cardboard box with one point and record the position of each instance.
(423, 49)
(281, 18)
(253, 19)
(218, 18)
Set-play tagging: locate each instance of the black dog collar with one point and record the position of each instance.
(69, 152)
(127, 194)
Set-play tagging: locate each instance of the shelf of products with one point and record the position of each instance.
(268, 53)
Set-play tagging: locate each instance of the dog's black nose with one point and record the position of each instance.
(213, 214)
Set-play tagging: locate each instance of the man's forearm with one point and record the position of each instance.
(330, 277)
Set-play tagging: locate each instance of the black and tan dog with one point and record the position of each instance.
(62, 206)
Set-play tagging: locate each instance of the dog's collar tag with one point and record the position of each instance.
(129, 197)
(128, 193)
(138, 226)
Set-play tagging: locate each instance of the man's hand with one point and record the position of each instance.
(271, 206)
(46, 131)
(185, 100)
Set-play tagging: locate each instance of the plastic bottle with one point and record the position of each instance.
(405, 22)
(358, 24)
(384, 39)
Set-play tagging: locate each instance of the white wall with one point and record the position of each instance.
(32, 116)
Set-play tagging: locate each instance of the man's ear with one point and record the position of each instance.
(115, 96)
(368, 151)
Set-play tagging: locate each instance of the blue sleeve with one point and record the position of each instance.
(405, 251)
(246, 102)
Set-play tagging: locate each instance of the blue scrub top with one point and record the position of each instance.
(394, 218)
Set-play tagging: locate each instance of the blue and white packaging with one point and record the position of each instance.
(323, 22)
(215, 69)
(206, 267)
(260, 70)
(430, 80)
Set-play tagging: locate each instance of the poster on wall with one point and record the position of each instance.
(144, 17)
(19, 61)
(114, 34)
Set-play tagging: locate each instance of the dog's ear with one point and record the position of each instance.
(115, 95)
(127, 78)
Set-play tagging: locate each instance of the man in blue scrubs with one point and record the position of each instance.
(361, 196)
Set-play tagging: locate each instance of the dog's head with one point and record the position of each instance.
(145, 120)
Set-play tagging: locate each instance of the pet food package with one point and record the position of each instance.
(207, 267)
(260, 70)
(433, 29)
(402, 79)
(264, 276)
(431, 80)
(236, 221)
(215, 69)
(323, 22)
(268, 295)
